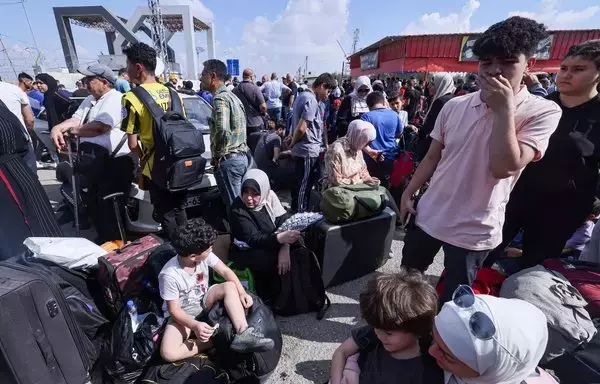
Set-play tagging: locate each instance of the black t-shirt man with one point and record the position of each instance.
(252, 98)
(285, 100)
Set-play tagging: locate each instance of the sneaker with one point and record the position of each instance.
(40, 165)
(51, 165)
(251, 341)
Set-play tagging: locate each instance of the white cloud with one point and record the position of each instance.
(550, 15)
(304, 28)
(199, 10)
(433, 23)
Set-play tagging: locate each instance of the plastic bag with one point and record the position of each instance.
(299, 221)
(126, 353)
(69, 252)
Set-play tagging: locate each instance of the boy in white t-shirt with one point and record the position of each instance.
(183, 284)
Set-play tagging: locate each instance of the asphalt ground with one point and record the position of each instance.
(308, 343)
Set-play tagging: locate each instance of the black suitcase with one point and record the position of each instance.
(351, 250)
(40, 341)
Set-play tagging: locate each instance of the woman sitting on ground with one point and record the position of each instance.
(344, 161)
(480, 339)
(255, 216)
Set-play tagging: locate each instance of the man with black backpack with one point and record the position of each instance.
(155, 118)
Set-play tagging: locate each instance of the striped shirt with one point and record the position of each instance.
(227, 125)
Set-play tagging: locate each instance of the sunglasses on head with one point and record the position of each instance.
(480, 324)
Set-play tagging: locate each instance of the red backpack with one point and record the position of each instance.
(403, 168)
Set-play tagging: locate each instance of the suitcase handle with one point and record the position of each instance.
(42, 342)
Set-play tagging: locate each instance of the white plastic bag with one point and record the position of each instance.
(70, 252)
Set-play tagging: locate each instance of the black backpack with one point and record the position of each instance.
(178, 145)
(302, 288)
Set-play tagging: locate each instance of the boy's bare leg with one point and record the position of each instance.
(231, 298)
(176, 344)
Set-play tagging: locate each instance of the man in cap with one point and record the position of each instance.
(97, 122)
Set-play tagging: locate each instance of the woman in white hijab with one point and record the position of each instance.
(442, 88)
(480, 339)
(354, 105)
(255, 215)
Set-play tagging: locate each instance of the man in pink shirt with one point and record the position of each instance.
(481, 143)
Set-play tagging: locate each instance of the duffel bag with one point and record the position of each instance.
(583, 275)
(196, 369)
(121, 272)
(252, 365)
(352, 202)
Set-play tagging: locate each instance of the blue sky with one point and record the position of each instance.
(276, 35)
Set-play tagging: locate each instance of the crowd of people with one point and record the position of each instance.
(502, 154)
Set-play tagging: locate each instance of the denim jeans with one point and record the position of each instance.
(229, 176)
(274, 113)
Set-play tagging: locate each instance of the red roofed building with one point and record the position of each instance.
(451, 53)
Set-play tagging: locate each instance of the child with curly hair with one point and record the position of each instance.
(183, 285)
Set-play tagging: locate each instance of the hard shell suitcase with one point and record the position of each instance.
(40, 341)
(351, 250)
(121, 272)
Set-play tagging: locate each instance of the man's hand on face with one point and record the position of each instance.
(497, 93)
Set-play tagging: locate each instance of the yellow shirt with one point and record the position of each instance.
(138, 120)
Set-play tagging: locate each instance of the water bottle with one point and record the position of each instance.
(132, 309)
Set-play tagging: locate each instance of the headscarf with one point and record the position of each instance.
(48, 103)
(359, 103)
(520, 327)
(444, 84)
(259, 181)
(360, 133)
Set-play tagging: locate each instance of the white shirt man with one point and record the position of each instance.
(107, 110)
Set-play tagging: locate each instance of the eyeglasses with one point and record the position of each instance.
(480, 324)
(363, 91)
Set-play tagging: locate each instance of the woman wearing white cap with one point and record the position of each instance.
(480, 339)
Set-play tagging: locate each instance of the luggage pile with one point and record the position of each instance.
(103, 323)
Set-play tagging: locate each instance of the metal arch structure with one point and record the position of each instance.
(121, 32)
(158, 33)
(176, 18)
(100, 17)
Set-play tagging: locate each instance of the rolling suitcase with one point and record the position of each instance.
(40, 341)
(121, 272)
(351, 250)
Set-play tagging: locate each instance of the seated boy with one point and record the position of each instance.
(183, 285)
(399, 309)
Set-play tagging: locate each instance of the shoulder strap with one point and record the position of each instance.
(119, 146)
(148, 101)
(176, 105)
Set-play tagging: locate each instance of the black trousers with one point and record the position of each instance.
(461, 264)
(116, 176)
(307, 171)
(381, 170)
(168, 207)
(548, 220)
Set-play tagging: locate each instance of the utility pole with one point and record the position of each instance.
(7, 56)
(355, 40)
(158, 34)
(306, 68)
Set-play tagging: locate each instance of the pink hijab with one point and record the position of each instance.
(360, 134)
